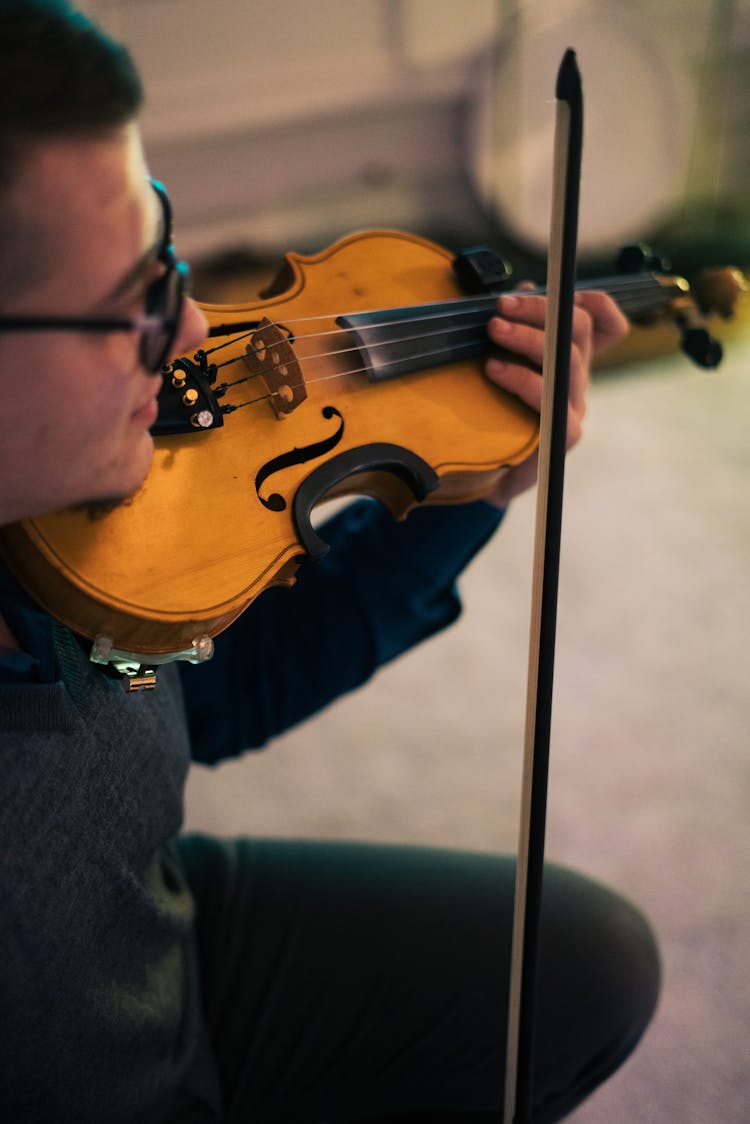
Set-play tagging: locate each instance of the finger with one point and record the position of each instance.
(527, 307)
(609, 324)
(516, 379)
(580, 358)
(519, 328)
(527, 386)
(531, 311)
(524, 338)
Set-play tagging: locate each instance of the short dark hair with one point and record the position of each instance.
(60, 76)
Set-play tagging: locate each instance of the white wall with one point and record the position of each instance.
(282, 125)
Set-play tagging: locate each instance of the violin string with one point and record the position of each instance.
(426, 355)
(320, 379)
(449, 306)
(634, 292)
(434, 355)
(298, 338)
(424, 359)
(637, 296)
(353, 348)
(340, 332)
(342, 350)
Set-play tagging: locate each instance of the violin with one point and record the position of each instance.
(298, 404)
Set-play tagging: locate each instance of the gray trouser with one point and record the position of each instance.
(359, 982)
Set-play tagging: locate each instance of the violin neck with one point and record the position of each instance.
(639, 295)
(398, 341)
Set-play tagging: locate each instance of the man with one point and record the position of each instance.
(151, 976)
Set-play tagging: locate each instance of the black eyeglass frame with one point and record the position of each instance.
(164, 303)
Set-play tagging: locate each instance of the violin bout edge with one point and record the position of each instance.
(66, 595)
(62, 589)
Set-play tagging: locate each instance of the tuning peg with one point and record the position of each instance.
(702, 348)
(640, 258)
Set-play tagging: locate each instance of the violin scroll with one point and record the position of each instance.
(687, 304)
(717, 291)
(713, 293)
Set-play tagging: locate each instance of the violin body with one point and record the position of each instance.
(225, 513)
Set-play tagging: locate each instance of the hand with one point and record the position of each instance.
(518, 328)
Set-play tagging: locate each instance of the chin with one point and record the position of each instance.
(133, 471)
(99, 502)
(100, 505)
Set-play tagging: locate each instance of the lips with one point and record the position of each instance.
(146, 414)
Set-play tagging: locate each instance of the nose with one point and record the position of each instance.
(193, 328)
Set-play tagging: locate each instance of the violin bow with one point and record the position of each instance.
(552, 444)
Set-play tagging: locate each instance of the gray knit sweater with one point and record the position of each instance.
(99, 980)
(98, 958)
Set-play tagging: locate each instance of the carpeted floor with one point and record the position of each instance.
(650, 785)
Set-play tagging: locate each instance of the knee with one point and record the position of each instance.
(598, 951)
(598, 985)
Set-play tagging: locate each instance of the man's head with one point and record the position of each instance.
(60, 76)
(81, 230)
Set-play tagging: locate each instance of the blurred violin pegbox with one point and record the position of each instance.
(270, 356)
(718, 290)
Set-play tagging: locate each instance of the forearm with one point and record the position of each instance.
(382, 588)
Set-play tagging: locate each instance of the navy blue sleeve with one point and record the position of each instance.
(383, 587)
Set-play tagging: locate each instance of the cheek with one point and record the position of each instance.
(105, 399)
(110, 360)
(67, 432)
(36, 384)
(73, 399)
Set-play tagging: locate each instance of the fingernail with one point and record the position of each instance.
(509, 303)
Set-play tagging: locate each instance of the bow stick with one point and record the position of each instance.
(552, 445)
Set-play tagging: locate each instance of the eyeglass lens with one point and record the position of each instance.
(165, 296)
(164, 302)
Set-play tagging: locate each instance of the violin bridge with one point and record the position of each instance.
(270, 356)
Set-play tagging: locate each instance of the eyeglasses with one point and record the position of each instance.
(164, 300)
